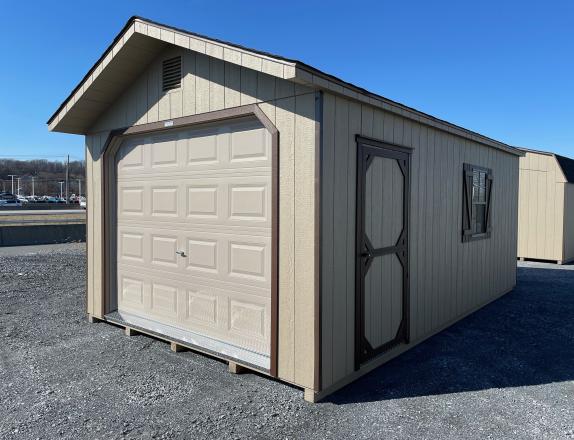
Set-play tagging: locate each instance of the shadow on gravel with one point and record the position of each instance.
(524, 338)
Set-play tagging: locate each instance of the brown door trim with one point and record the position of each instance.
(108, 206)
(366, 150)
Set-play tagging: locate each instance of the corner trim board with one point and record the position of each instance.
(318, 364)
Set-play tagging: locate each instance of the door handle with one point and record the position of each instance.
(182, 253)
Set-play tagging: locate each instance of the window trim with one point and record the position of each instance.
(468, 205)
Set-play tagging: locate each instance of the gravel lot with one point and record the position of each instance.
(505, 372)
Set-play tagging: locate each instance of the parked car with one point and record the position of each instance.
(13, 203)
(83, 203)
(23, 199)
(7, 196)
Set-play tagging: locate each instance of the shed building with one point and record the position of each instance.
(546, 207)
(255, 208)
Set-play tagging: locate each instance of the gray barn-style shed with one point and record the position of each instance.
(257, 209)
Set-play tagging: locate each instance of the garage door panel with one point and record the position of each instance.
(246, 318)
(247, 260)
(164, 299)
(247, 146)
(130, 157)
(233, 147)
(201, 307)
(131, 246)
(248, 201)
(163, 151)
(235, 201)
(164, 200)
(201, 149)
(221, 257)
(202, 255)
(241, 320)
(132, 291)
(131, 201)
(194, 232)
(202, 201)
(140, 224)
(238, 285)
(164, 250)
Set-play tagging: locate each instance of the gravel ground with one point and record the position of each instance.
(505, 372)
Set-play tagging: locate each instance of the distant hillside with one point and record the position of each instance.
(46, 175)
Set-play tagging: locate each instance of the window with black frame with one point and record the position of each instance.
(477, 194)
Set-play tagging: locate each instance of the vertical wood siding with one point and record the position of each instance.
(541, 208)
(209, 84)
(569, 222)
(448, 278)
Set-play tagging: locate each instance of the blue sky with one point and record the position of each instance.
(502, 68)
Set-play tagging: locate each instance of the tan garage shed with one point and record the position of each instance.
(546, 207)
(254, 208)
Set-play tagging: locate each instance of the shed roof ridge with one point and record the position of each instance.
(303, 69)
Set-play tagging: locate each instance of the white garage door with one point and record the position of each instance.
(194, 236)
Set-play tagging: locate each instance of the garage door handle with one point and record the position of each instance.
(182, 253)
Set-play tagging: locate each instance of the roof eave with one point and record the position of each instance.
(264, 62)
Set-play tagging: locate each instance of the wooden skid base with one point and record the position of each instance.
(131, 332)
(93, 319)
(176, 348)
(539, 260)
(311, 395)
(235, 368)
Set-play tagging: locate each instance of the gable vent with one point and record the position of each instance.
(171, 74)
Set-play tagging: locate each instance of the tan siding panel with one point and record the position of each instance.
(355, 122)
(90, 201)
(232, 85)
(248, 86)
(285, 122)
(189, 79)
(340, 234)
(304, 239)
(327, 237)
(448, 278)
(202, 84)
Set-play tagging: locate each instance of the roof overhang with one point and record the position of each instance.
(141, 41)
(138, 43)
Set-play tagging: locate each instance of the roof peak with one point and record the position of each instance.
(140, 31)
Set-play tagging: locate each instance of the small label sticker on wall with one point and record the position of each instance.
(168, 123)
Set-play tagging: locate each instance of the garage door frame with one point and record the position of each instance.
(109, 150)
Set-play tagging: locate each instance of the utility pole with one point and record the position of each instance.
(33, 194)
(61, 183)
(79, 187)
(12, 176)
(67, 175)
(18, 179)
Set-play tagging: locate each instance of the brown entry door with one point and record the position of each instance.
(382, 283)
